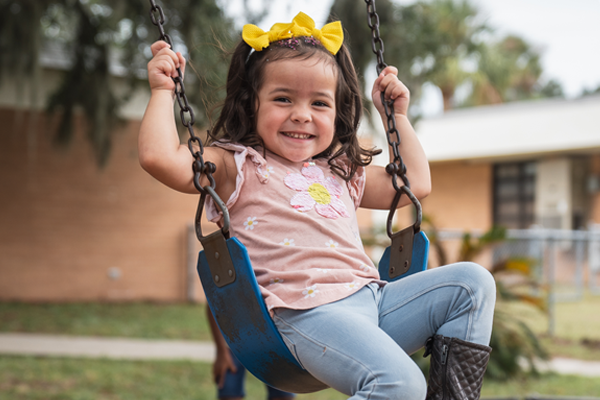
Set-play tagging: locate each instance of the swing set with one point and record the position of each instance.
(224, 267)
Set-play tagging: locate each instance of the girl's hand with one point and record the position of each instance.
(389, 83)
(163, 66)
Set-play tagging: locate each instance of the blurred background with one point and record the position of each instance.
(505, 98)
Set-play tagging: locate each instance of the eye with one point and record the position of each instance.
(321, 104)
(282, 99)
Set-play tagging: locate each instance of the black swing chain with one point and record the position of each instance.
(396, 168)
(200, 167)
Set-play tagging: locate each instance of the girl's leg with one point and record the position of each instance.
(452, 308)
(454, 301)
(341, 345)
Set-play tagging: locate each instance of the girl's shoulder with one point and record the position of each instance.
(238, 151)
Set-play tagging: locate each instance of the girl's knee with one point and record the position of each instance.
(478, 278)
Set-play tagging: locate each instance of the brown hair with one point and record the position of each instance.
(237, 120)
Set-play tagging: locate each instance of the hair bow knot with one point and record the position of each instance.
(259, 39)
(331, 35)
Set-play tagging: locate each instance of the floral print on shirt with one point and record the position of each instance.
(267, 172)
(316, 192)
(332, 244)
(310, 291)
(275, 281)
(250, 223)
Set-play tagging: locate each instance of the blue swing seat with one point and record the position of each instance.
(248, 329)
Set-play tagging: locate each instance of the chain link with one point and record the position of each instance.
(396, 168)
(157, 16)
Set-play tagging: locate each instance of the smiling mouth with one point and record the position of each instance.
(295, 135)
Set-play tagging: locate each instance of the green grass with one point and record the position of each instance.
(577, 327)
(140, 320)
(36, 378)
(81, 379)
(576, 322)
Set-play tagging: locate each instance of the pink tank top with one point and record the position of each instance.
(298, 222)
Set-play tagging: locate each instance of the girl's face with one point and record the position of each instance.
(296, 112)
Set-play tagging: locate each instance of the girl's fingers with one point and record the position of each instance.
(169, 62)
(162, 48)
(158, 46)
(393, 87)
(388, 83)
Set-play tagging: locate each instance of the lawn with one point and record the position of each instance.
(577, 323)
(577, 327)
(138, 320)
(577, 335)
(34, 378)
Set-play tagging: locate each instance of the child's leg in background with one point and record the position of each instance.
(233, 388)
(276, 394)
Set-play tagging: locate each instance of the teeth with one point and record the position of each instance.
(297, 135)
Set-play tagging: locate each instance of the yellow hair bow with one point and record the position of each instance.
(331, 35)
(259, 39)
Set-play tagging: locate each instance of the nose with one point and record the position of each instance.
(301, 114)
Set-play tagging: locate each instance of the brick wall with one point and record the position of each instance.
(461, 196)
(70, 231)
(65, 223)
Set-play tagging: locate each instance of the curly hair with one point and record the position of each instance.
(237, 120)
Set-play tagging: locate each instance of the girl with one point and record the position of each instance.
(292, 173)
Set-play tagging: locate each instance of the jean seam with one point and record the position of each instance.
(467, 288)
(316, 342)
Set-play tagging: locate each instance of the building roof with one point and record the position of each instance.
(514, 130)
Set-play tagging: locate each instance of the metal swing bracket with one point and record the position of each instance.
(401, 252)
(218, 257)
(401, 249)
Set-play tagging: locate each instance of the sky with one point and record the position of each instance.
(567, 33)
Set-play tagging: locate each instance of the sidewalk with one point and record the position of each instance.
(142, 349)
(104, 347)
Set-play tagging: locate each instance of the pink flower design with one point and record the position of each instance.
(316, 191)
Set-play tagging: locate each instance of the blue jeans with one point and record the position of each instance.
(234, 384)
(360, 345)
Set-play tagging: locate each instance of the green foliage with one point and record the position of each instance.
(513, 344)
(95, 40)
(445, 42)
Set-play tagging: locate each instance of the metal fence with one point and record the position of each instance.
(566, 263)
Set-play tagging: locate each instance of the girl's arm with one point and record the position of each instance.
(379, 191)
(160, 152)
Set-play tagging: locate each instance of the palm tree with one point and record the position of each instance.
(508, 70)
(440, 41)
(424, 40)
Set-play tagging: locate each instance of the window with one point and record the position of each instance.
(514, 194)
